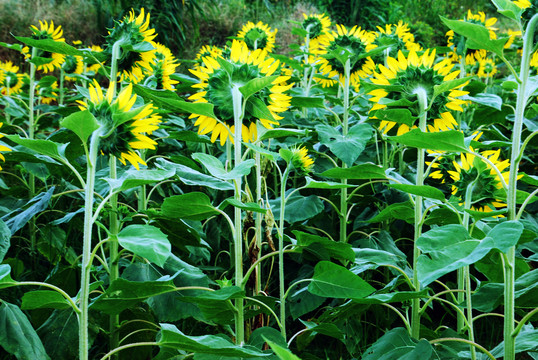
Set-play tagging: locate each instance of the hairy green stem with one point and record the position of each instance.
(237, 99)
(31, 135)
(113, 260)
(415, 303)
(465, 271)
(345, 129)
(258, 224)
(282, 294)
(510, 258)
(86, 246)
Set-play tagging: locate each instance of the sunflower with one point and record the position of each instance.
(355, 41)
(47, 94)
(457, 42)
(472, 170)
(72, 65)
(316, 25)
(301, 161)
(2, 147)
(216, 88)
(46, 31)
(410, 74)
(487, 68)
(125, 127)
(397, 37)
(10, 80)
(163, 64)
(206, 50)
(134, 31)
(523, 4)
(257, 36)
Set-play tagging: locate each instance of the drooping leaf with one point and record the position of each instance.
(190, 206)
(307, 102)
(17, 336)
(397, 344)
(216, 168)
(322, 247)
(44, 299)
(367, 259)
(256, 84)
(5, 236)
(250, 206)
(216, 305)
(509, 9)
(281, 352)
(59, 333)
(451, 141)
(403, 211)
(298, 208)
(424, 190)
(358, 172)
(332, 280)
(195, 178)
(5, 277)
(346, 148)
(281, 132)
(43, 147)
(135, 178)
(171, 336)
(315, 184)
(36, 205)
(491, 100)
(146, 241)
(50, 46)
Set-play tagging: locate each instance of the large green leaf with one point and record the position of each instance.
(17, 220)
(477, 35)
(450, 247)
(50, 46)
(424, 190)
(526, 340)
(146, 241)
(256, 84)
(397, 344)
(315, 184)
(403, 211)
(359, 172)
(5, 277)
(44, 299)
(491, 100)
(394, 297)
(250, 206)
(59, 333)
(5, 236)
(43, 147)
(190, 206)
(298, 207)
(17, 336)
(322, 247)
(171, 336)
(367, 259)
(82, 123)
(307, 102)
(216, 168)
(122, 294)
(216, 306)
(509, 9)
(332, 280)
(346, 148)
(169, 100)
(135, 178)
(192, 177)
(258, 109)
(281, 352)
(452, 140)
(400, 116)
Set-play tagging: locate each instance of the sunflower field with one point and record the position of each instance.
(368, 196)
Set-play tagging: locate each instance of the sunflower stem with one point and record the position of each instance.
(62, 79)
(237, 99)
(86, 246)
(415, 305)
(114, 67)
(345, 130)
(465, 272)
(282, 294)
(510, 256)
(31, 135)
(257, 158)
(113, 254)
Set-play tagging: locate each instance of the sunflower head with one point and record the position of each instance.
(353, 42)
(134, 32)
(72, 65)
(257, 36)
(217, 82)
(206, 50)
(48, 61)
(316, 25)
(10, 80)
(457, 42)
(301, 161)
(486, 68)
(472, 171)
(125, 126)
(47, 91)
(397, 37)
(162, 65)
(413, 73)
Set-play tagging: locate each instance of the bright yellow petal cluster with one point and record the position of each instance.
(523, 4)
(2, 147)
(48, 31)
(10, 80)
(265, 42)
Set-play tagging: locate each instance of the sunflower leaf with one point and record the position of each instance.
(256, 84)
(5, 277)
(477, 35)
(257, 108)
(307, 102)
(50, 45)
(146, 241)
(335, 281)
(250, 206)
(452, 140)
(424, 190)
(82, 123)
(315, 184)
(17, 47)
(347, 148)
(448, 85)
(216, 168)
(400, 116)
(508, 9)
(362, 171)
(189, 206)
